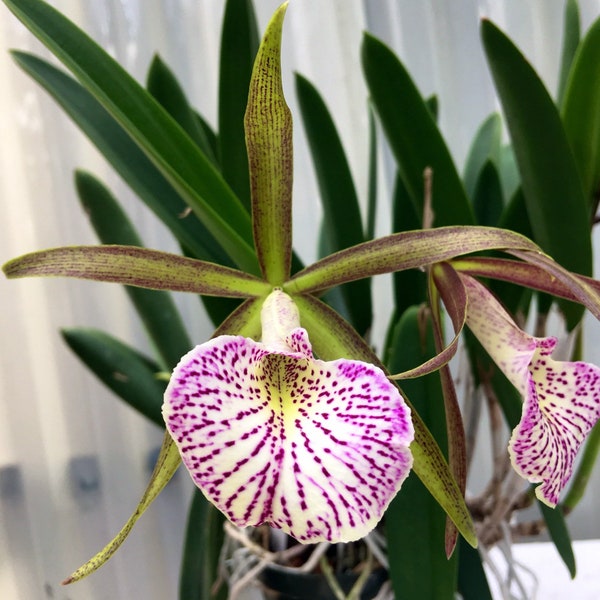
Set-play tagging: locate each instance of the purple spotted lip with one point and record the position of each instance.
(317, 449)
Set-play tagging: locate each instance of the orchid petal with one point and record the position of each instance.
(561, 399)
(317, 449)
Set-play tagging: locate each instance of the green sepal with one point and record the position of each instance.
(141, 267)
(239, 44)
(268, 125)
(166, 465)
(405, 250)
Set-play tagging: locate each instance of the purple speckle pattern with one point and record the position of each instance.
(561, 400)
(317, 449)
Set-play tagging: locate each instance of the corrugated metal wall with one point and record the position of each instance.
(73, 460)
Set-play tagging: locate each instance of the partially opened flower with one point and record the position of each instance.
(272, 435)
(561, 400)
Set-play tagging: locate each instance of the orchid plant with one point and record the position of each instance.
(287, 418)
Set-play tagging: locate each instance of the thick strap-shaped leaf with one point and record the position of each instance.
(164, 142)
(268, 123)
(415, 522)
(163, 85)
(581, 115)
(413, 135)
(166, 465)
(239, 43)
(156, 309)
(125, 371)
(556, 204)
(125, 156)
(203, 540)
(485, 147)
(141, 267)
(333, 338)
(571, 36)
(407, 250)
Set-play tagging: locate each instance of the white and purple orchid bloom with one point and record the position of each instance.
(561, 400)
(272, 435)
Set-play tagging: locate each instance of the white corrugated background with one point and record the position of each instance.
(73, 460)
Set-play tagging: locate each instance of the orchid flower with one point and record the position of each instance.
(561, 400)
(315, 446)
(272, 435)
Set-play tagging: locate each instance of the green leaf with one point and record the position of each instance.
(557, 207)
(156, 309)
(486, 147)
(406, 250)
(581, 115)
(149, 125)
(342, 218)
(415, 523)
(140, 267)
(332, 337)
(268, 124)
(472, 580)
(163, 86)
(509, 173)
(570, 43)
(201, 552)
(488, 202)
(557, 528)
(410, 285)
(239, 44)
(122, 369)
(372, 180)
(125, 157)
(413, 135)
(166, 465)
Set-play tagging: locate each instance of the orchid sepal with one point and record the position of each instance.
(141, 267)
(399, 251)
(268, 127)
(167, 463)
